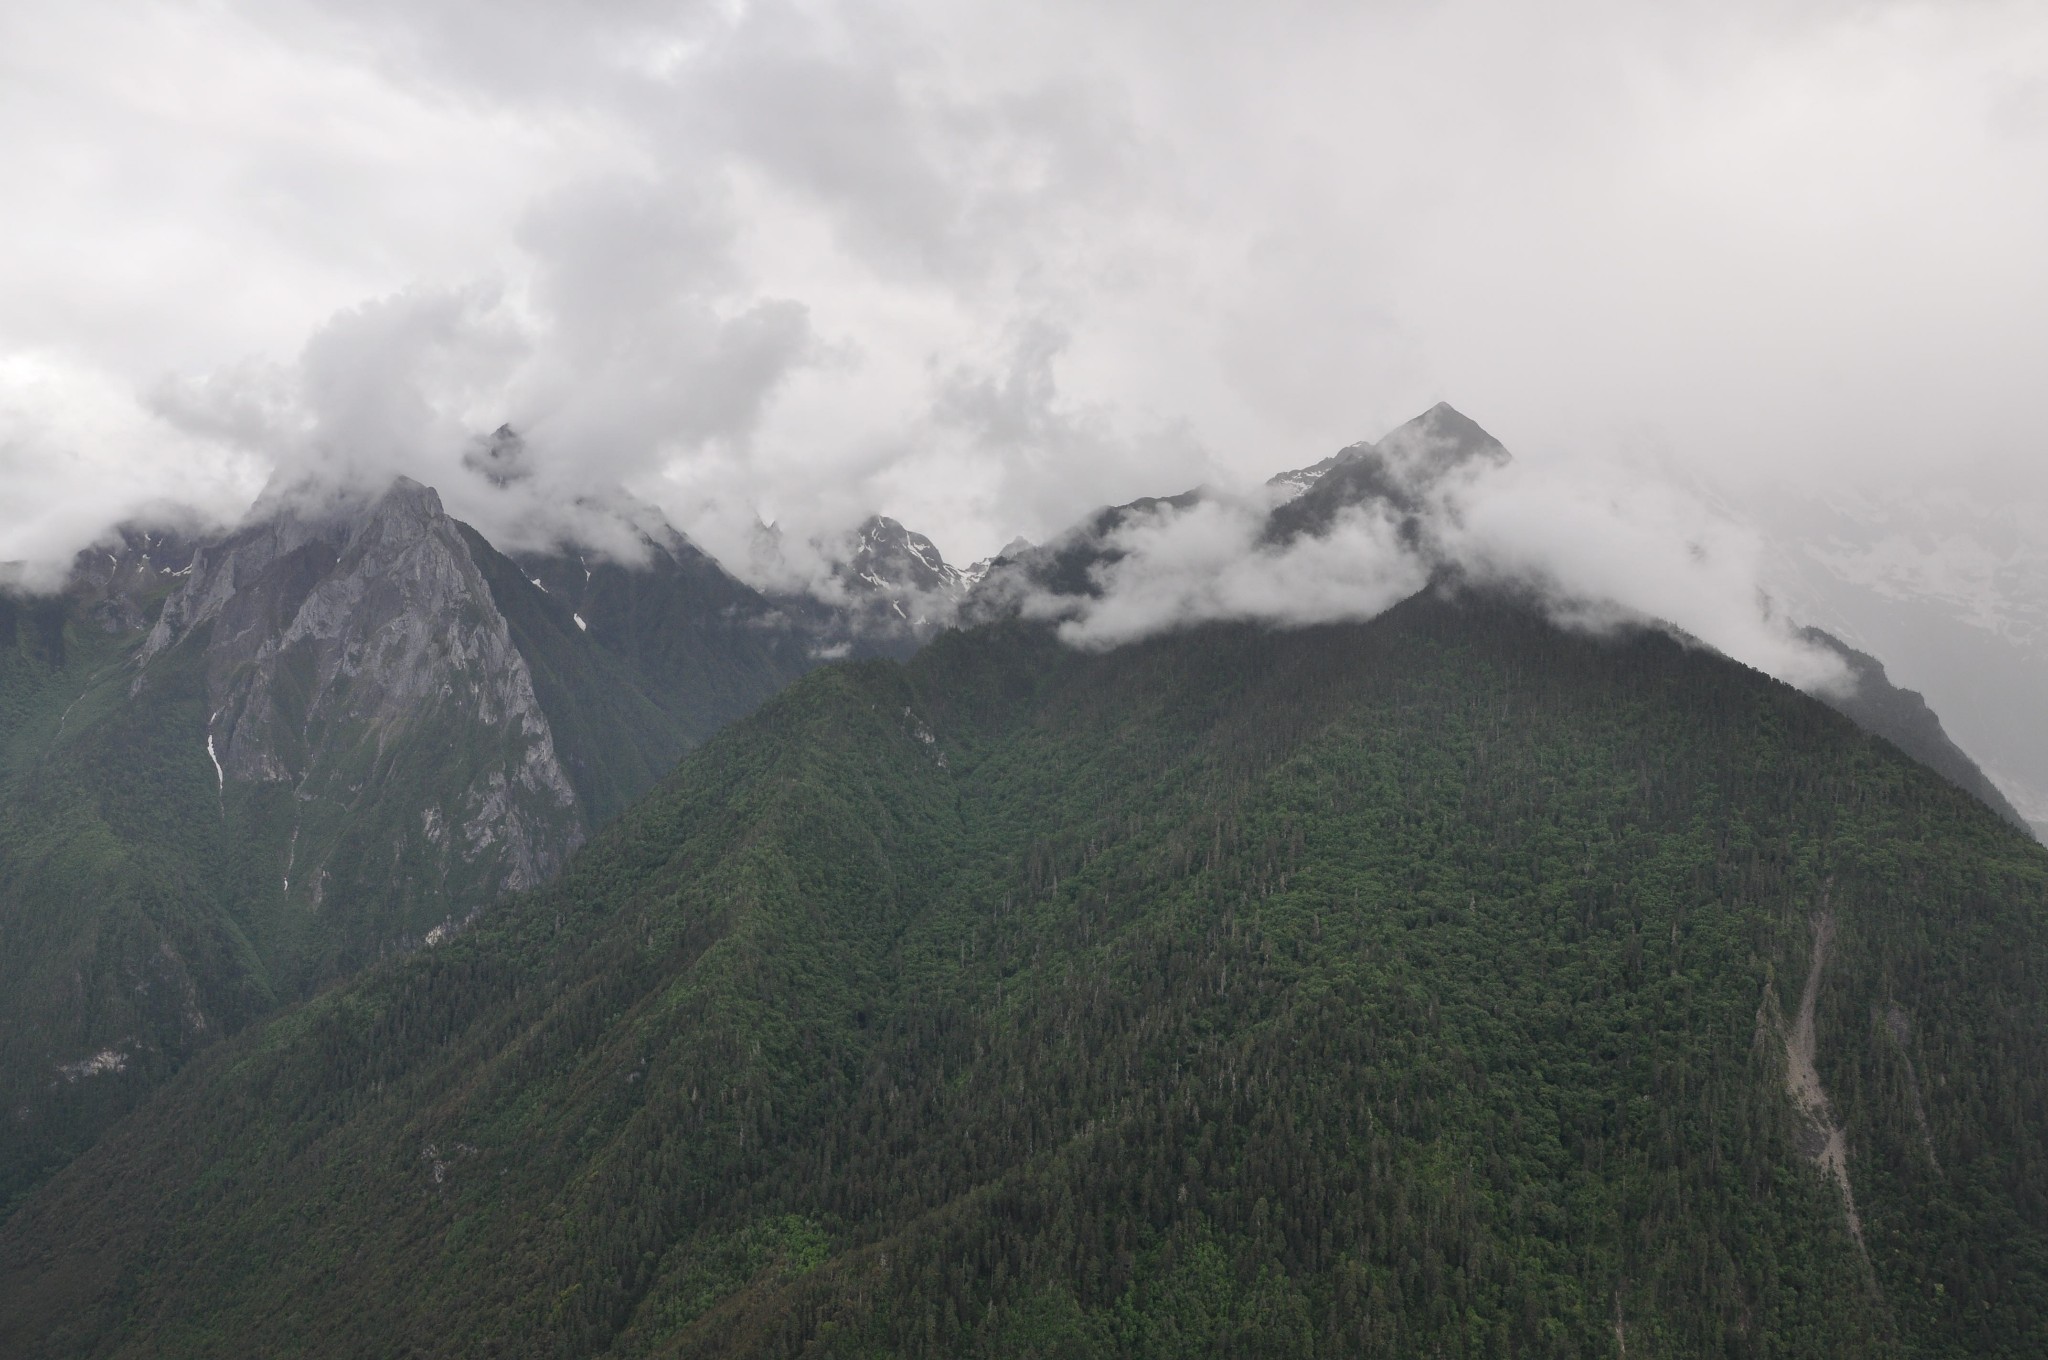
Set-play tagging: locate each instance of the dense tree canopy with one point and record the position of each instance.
(1411, 988)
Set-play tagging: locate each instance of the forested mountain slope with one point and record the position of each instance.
(1403, 474)
(1448, 985)
(234, 770)
(1902, 717)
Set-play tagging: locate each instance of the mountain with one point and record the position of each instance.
(1447, 984)
(899, 588)
(1950, 586)
(1069, 564)
(1399, 472)
(1903, 718)
(1402, 474)
(235, 769)
(889, 591)
(330, 642)
(671, 627)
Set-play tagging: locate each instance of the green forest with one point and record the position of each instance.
(1413, 988)
(150, 903)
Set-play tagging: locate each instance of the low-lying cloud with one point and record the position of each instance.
(1603, 547)
(1207, 562)
(1598, 546)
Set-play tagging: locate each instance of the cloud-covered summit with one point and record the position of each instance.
(1437, 500)
(983, 270)
(800, 262)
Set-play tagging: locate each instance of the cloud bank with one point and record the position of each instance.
(1599, 546)
(983, 270)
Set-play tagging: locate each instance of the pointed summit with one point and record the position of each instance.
(1398, 472)
(1435, 442)
(889, 558)
(1414, 454)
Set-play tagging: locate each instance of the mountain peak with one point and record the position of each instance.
(405, 507)
(890, 558)
(407, 493)
(1437, 441)
(1398, 472)
(1416, 453)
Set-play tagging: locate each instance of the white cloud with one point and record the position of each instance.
(982, 268)
(1603, 546)
(1205, 562)
(1597, 546)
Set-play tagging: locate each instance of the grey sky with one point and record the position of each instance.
(983, 268)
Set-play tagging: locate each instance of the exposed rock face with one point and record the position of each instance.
(114, 581)
(1399, 471)
(899, 589)
(892, 592)
(241, 766)
(332, 635)
(893, 561)
(1822, 1138)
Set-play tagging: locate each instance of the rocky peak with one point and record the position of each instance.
(894, 590)
(892, 560)
(334, 630)
(1438, 442)
(406, 511)
(1399, 472)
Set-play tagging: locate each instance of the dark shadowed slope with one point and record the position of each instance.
(1903, 718)
(1422, 987)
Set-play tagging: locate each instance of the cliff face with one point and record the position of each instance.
(331, 640)
(234, 768)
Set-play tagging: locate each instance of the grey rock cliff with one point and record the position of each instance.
(343, 627)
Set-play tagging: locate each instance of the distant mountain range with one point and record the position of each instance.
(236, 769)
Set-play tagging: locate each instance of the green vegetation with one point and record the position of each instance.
(147, 908)
(1405, 989)
(122, 900)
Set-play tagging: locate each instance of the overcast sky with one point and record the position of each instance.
(984, 267)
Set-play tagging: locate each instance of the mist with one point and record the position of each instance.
(1598, 545)
(777, 264)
